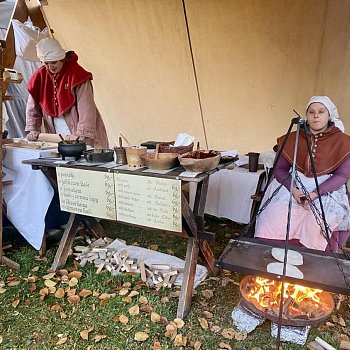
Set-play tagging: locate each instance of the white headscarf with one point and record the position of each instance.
(332, 109)
(49, 50)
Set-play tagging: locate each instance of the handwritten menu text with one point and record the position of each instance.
(149, 201)
(85, 192)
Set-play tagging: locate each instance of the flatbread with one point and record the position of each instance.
(293, 257)
(291, 271)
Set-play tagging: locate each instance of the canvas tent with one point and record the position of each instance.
(229, 72)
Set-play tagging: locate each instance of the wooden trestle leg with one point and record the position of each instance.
(185, 298)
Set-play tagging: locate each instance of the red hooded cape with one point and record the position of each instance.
(42, 86)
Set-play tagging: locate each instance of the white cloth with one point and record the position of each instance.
(331, 107)
(50, 50)
(151, 257)
(27, 36)
(28, 198)
(229, 193)
(61, 126)
(272, 223)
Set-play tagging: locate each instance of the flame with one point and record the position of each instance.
(268, 292)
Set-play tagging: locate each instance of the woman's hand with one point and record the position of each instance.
(300, 197)
(33, 136)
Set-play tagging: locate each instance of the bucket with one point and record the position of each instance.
(133, 155)
(120, 156)
(253, 161)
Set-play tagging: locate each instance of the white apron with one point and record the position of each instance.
(272, 222)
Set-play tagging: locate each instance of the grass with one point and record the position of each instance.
(31, 322)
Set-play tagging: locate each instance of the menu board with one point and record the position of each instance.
(149, 201)
(87, 192)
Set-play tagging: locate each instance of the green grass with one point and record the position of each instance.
(32, 324)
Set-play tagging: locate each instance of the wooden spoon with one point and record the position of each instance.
(61, 137)
(198, 153)
(120, 142)
(157, 151)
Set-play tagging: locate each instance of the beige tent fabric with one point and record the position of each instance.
(255, 60)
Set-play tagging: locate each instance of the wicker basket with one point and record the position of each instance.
(164, 147)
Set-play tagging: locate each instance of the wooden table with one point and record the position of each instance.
(192, 221)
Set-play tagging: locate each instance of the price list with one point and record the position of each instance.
(87, 192)
(149, 201)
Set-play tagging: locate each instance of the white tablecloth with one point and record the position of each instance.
(30, 195)
(229, 194)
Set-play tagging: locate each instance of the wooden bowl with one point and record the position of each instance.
(206, 161)
(163, 162)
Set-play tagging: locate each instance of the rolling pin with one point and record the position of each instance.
(49, 137)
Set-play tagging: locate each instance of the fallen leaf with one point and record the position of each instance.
(59, 293)
(156, 345)
(85, 293)
(164, 300)
(123, 319)
(228, 333)
(35, 268)
(155, 317)
(134, 310)
(143, 300)
(13, 283)
(207, 293)
(180, 340)
(124, 291)
(49, 283)
(49, 275)
(203, 322)
(61, 341)
(62, 272)
(56, 307)
(223, 345)
(141, 336)
(75, 274)
(197, 345)
(71, 292)
(208, 314)
(126, 299)
(85, 333)
(44, 291)
(179, 322)
(52, 290)
(133, 293)
(63, 315)
(32, 287)
(241, 335)
(215, 329)
(31, 279)
(171, 331)
(15, 303)
(73, 282)
(73, 299)
(95, 293)
(99, 337)
(146, 308)
(2, 290)
(1, 339)
(154, 246)
(104, 302)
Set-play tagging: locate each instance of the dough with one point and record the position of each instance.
(293, 257)
(291, 270)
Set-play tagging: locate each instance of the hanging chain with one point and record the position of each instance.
(325, 233)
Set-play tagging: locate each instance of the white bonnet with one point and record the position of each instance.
(331, 107)
(49, 50)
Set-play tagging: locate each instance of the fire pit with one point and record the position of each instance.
(302, 306)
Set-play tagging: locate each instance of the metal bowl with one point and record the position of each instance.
(200, 161)
(68, 149)
(104, 155)
(163, 162)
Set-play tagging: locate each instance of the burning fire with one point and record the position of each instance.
(268, 292)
